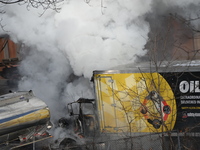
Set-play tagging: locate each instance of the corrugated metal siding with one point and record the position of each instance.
(12, 49)
(8, 53)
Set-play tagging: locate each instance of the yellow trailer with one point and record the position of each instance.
(134, 102)
(138, 105)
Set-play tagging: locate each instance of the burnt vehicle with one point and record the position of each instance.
(136, 102)
(82, 122)
(24, 119)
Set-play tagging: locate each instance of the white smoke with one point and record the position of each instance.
(81, 38)
(91, 37)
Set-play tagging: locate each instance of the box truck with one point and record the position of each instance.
(137, 102)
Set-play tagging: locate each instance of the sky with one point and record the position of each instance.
(63, 48)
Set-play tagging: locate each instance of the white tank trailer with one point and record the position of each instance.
(24, 119)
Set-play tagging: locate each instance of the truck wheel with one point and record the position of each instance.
(156, 123)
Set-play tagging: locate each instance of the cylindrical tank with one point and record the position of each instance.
(19, 112)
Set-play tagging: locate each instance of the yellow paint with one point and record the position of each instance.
(190, 108)
(32, 117)
(120, 96)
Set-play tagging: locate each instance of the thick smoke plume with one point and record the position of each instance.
(81, 38)
(62, 49)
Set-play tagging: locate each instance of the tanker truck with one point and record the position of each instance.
(24, 119)
(134, 105)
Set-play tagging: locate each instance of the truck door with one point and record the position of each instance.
(106, 103)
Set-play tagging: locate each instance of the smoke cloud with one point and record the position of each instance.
(81, 38)
(62, 49)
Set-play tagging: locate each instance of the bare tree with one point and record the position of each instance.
(45, 4)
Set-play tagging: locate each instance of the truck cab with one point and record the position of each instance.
(82, 112)
(82, 122)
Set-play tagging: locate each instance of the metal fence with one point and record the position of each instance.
(147, 142)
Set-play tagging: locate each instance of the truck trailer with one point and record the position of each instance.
(137, 104)
(24, 119)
